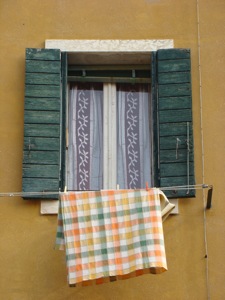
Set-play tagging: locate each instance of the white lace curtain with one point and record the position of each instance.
(133, 138)
(84, 167)
(86, 145)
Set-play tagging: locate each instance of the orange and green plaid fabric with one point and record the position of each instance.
(111, 234)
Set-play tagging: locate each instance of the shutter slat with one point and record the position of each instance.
(178, 77)
(172, 90)
(175, 169)
(40, 157)
(39, 143)
(170, 142)
(173, 54)
(37, 78)
(175, 102)
(42, 117)
(42, 104)
(175, 158)
(41, 130)
(41, 169)
(42, 91)
(179, 115)
(175, 65)
(42, 54)
(173, 129)
(176, 181)
(37, 66)
(40, 185)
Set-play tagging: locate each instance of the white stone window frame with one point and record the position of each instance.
(105, 50)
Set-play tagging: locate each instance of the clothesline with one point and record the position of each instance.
(169, 188)
(181, 187)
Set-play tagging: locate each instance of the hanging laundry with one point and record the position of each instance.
(111, 234)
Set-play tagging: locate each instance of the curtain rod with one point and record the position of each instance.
(108, 79)
(181, 187)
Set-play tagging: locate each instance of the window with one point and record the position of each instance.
(170, 160)
(109, 136)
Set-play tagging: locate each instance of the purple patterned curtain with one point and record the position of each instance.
(133, 137)
(84, 168)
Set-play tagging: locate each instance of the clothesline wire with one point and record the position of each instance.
(173, 188)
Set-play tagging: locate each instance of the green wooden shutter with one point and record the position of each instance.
(174, 163)
(64, 72)
(41, 161)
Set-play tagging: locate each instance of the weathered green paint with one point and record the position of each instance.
(181, 102)
(178, 181)
(39, 78)
(42, 54)
(175, 53)
(41, 130)
(173, 90)
(52, 104)
(41, 171)
(155, 119)
(42, 120)
(173, 129)
(174, 115)
(41, 143)
(52, 91)
(41, 157)
(36, 66)
(168, 156)
(175, 169)
(171, 142)
(174, 65)
(181, 193)
(64, 66)
(41, 117)
(176, 77)
(40, 185)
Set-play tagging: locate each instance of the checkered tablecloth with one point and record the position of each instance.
(111, 234)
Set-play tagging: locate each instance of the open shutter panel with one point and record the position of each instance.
(41, 162)
(175, 160)
(64, 73)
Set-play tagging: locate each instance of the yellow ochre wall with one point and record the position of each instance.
(30, 269)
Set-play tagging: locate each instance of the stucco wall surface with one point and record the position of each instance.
(30, 269)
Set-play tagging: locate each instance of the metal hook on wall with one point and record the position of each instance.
(196, 187)
(209, 197)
